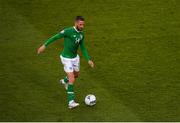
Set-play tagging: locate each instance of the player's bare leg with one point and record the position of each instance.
(76, 74)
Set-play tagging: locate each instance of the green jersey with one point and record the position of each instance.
(72, 40)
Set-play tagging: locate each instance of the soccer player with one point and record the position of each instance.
(73, 38)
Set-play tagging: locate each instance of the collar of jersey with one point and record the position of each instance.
(76, 29)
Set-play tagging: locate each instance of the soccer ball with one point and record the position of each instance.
(90, 100)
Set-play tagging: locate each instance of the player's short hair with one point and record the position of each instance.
(79, 18)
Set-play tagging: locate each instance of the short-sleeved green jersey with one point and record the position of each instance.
(72, 40)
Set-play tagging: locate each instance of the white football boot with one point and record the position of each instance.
(73, 104)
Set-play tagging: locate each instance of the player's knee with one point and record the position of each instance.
(71, 79)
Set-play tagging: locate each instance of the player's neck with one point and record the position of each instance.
(76, 29)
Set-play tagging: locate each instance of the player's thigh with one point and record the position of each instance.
(68, 66)
(76, 64)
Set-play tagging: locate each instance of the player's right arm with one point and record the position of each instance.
(51, 40)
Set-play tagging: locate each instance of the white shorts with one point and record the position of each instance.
(71, 64)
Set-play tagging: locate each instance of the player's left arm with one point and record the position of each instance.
(85, 53)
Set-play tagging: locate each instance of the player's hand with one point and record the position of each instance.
(41, 49)
(91, 63)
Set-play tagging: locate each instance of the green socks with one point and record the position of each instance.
(66, 79)
(70, 93)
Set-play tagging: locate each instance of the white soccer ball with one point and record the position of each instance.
(90, 100)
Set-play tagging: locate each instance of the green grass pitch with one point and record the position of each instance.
(135, 45)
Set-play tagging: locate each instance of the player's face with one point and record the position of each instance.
(79, 25)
